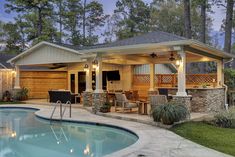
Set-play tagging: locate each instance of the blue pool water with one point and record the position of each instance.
(22, 134)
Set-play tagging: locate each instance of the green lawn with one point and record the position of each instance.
(14, 102)
(221, 139)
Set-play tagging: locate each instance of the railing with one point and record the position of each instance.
(170, 80)
(60, 104)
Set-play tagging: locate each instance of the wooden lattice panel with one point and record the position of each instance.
(197, 79)
(166, 80)
(141, 79)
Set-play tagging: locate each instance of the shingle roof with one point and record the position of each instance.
(151, 37)
(4, 57)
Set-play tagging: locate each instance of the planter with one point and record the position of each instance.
(104, 109)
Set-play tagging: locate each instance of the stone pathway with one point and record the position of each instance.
(153, 141)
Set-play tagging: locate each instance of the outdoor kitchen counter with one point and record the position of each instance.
(205, 99)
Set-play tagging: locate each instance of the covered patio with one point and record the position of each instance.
(199, 92)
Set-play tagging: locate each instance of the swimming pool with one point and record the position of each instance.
(22, 134)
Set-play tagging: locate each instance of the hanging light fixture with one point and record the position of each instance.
(95, 64)
(172, 58)
(178, 61)
(86, 67)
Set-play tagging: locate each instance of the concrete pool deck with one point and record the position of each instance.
(153, 141)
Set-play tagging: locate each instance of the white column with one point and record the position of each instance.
(99, 76)
(17, 77)
(152, 77)
(182, 75)
(89, 77)
(220, 74)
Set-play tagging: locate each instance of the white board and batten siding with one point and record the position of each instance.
(6, 81)
(145, 69)
(47, 55)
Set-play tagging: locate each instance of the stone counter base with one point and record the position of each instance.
(205, 100)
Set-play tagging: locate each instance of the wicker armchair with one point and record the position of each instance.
(123, 103)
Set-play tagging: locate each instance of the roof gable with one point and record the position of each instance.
(47, 54)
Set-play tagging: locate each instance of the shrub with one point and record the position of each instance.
(105, 108)
(229, 78)
(225, 119)
(170, 113)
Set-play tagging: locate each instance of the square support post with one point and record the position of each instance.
(220, 73)
(152, 90)
(99, 97)
(182, 74)
(87, 94)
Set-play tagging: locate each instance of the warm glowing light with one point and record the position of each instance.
(13, 134)
(86, 67)
(95, 64)
(13, 72)
(178, 62)
(87, 150)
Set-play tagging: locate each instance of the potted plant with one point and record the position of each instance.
(23, 94)
(105, 108)
(6, 96)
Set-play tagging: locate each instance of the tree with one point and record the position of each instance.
(12, 37)
(59, 12)
(111, 28)
(167, 16)
(135, 16)
(187, 19)
(93, 18)
(2, 32)
(38, 12)
(203, 6)
(228, 26)
(72, 16)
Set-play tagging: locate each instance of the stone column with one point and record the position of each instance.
(152, 90)
(99, 97)
(182, 75)
(87, 94)
(183, 100)
(220, 74)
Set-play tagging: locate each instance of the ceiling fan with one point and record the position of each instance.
(153, 55)
(58, 65)
(172, 58)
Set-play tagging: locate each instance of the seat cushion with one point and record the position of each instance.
(131, 105)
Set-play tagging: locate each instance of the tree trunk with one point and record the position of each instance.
(60, 20)
(187, 19)
(228, 26)
(203, 21)
(39, 32)
(84, 23)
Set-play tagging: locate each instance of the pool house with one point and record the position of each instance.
(150, 64)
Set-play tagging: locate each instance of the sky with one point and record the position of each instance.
(109, 5)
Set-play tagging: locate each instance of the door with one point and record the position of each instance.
(72, 83)
(81, 82)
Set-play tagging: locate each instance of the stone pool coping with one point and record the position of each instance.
(153, 141)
